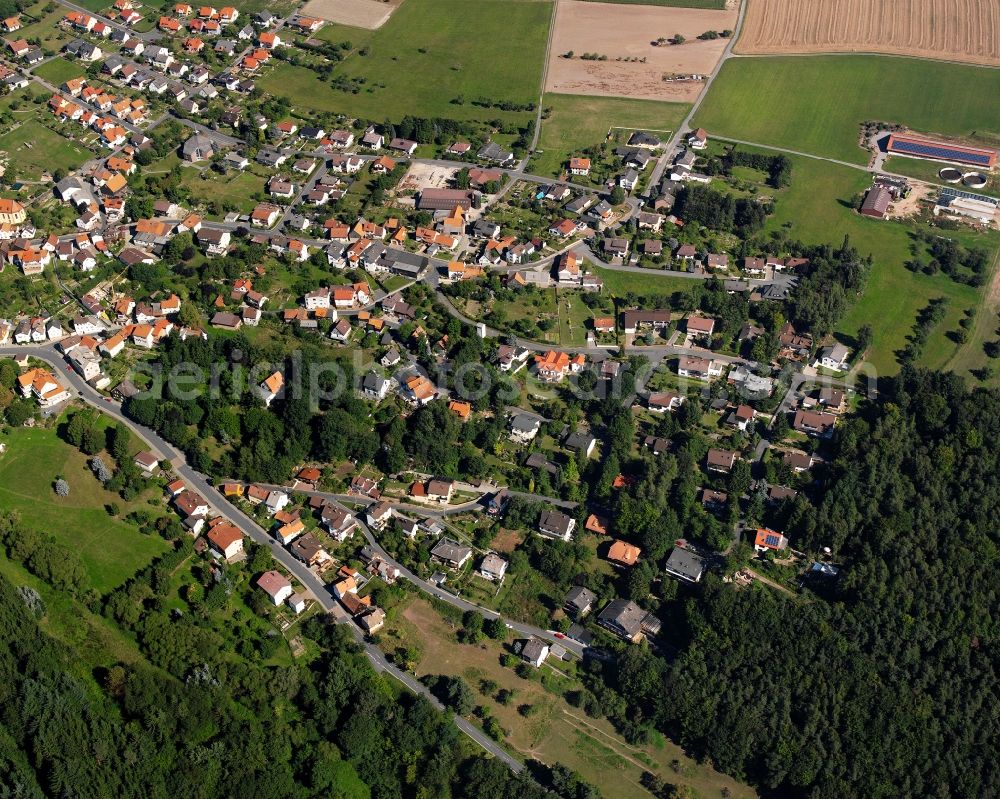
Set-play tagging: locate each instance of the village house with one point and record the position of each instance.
(769, 540)
(721, 460)
(698, 368)
(450, 553)
(276, 586)
(556, 524)
(493, 567)
(628, 621)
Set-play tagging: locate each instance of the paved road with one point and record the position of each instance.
(863, 168)
(430, 588)
(198, 482)
(541, 93)
(671, 147)
(147, 37)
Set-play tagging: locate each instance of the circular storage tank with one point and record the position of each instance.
(950, 175)
(974, 180)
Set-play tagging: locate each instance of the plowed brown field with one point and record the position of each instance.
(956, 30)
(626, 32)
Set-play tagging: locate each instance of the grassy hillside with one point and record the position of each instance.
(815, 104)
(111, 549)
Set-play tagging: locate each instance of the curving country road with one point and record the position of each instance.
(201, 484)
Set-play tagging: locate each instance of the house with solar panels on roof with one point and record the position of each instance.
(769, 540)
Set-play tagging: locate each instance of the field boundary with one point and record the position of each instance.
(852, 53)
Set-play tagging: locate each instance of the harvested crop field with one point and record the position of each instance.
(369, 14)
(955, 30)
(607, 29)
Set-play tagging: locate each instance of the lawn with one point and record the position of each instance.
(236, 188)
(574, 315)
(35, 150)
(554, 731)
(59, 70)
(111, 550)
(45, 27)
(640, 283)
(574, 122)
(815, 104)
(430, 53)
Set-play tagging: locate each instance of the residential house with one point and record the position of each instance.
(628, 621)
(663, 401)
(579, 602)
(556, 524)
(834, 358)
(624, 553)
(721, 460)
(685, 565)
(524, 428)
(698, 368)
(451, 553)
(276, 586)
(493, 567)
(226, 540)
(769, 540)
(534, 651)
(271, 387)
(814, 423)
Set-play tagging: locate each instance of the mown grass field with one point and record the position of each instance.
(112, 550)
(429, 53)
(577, 121)
(33, 149)
(59, 70)
(815, 104)
(649, 281)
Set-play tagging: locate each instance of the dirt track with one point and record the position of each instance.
(369, 14)
(628, 31)
(958, 30)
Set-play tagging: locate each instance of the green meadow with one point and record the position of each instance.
(815, 104)
(433, 58)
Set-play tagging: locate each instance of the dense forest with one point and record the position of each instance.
(884, 683)
(228, 727)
